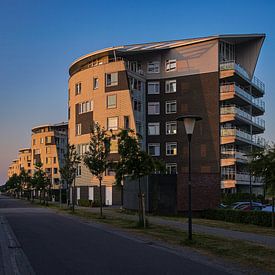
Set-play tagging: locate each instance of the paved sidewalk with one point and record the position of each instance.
(265, 240)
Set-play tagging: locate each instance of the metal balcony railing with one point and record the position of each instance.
(232, 65)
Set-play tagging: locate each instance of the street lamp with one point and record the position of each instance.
(189, 125)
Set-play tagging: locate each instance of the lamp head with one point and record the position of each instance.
(189, 122)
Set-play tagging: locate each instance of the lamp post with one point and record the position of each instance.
(189, 125)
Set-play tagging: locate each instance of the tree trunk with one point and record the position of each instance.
(273, 217)
(100, 197)
(140, 209)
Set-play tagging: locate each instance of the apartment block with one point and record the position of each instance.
(145, 87)
(14, 168)
(48, 146)
(25, 159)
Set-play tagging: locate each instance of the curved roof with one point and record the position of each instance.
(49, 125)
(24, 149)
(154, 46)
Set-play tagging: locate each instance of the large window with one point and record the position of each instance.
(171, 127)
(171, 168)
(154, 149)
(170, 86)
(78, 129)
(171, 148)
(153, 108)
(153, 128)
(111, 79)
(111, 101)
(171, 65)
(78, 88)
(153, 67)
(153, 88)
(170, 107)
(112, 123)
(84, 107)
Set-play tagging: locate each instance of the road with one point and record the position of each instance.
(59, 244)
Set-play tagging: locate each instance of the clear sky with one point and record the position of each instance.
(40, 38)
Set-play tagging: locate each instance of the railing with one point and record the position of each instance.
(230, 87)
(241, 177)
(231, 65)
(235, 154)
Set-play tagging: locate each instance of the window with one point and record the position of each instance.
(55, 170)
(54, 159)
(153, 88)
(33, 142)
(37, 151)
(78, 129)
(137, 105)
(111, 101)
(111, 79)
(48, 140)
(171, 168)
(170, 107)
(82, 148)
(171, 65)
(126, 122)
(153, 67)
(154, 149)
(171, 128)
(84, 107)
(112, 123)
(78, 88)
(170, 86)
(95, 83)
(153, 128)
(48, 150)
(41, 140)
(114, 146)
(47, 160)
(78, 170)
(171, 148)
(139, 127)
(153, 108)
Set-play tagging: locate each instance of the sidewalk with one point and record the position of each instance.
(265, 240)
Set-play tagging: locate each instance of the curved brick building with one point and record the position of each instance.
(146, 86)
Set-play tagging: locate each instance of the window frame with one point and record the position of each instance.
(95, 81)
(112, 83)
(166, 127)
(153, 83)
(156, 65)
(112, 106)
(167, 144)
(155, 125)
(169, 165)
(111, 128)
(78, 88)
(155, 146)
(169, 103)
(168, 63)
(78, 129)
(157, 103)
(168, 83)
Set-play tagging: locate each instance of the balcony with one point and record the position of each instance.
(255, 82)
(237, 155)
(241, 178)
(242, 136)
(229, 90)
(244, 115)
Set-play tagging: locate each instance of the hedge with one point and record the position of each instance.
(238, 216)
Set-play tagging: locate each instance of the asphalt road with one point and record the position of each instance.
(57, 244)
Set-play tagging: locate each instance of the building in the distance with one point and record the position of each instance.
(14, 168)
(146, 86)
(25, 159)
(48, 146)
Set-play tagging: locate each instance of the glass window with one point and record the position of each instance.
(153, 88)
(153, 67)
(41, 140)
(95, 83)
(170, 86)
(85, 107)
(78, 88)
(153, 108)
(126, 122)
(171, 128)
(111, 79)
(153, 128)
(154, 149)
(137, 105)
(171, 168)
(112, 123)
(111, 101)
(171, 148)
(78, 129)
(170, 107)
(171, 65)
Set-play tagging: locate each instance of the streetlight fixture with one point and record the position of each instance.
(189, 125)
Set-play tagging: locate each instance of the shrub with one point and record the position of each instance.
(84, 202)
(238, 216)
(231, 198)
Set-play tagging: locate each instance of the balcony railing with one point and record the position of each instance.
(232, 65)
(235, 132)
(241, 177)
(235, 154)
(230, 87)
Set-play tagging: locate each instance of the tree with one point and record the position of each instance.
(40, 181)
(263, 165)
(69, 169)
(96, 158)
(25, 181)
(13, 184)
(135, 164)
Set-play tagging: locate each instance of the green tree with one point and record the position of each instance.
(135, 164)
(96, 158)
(69, 169)
(40, 181)
(13, 184)
(25, 181)
(263, 165)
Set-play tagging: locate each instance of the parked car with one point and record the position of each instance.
(223, 206)
(267, 208)
(240, 204)
(247, 207)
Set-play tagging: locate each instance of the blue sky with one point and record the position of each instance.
(39, 40)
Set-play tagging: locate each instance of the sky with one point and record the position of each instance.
(40, 39)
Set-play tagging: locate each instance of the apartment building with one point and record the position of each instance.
(48, 145)
(146, 86)
(14, 168)
(25, 159)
